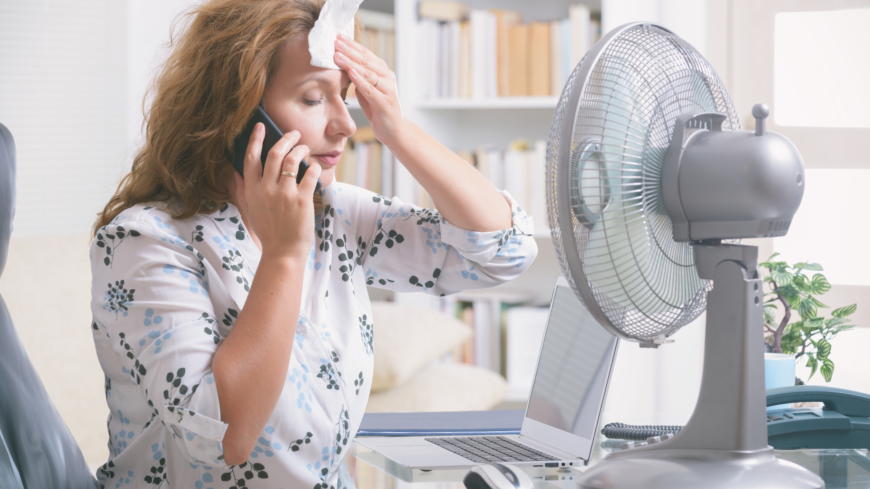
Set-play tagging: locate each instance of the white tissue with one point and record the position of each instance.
(336, 17)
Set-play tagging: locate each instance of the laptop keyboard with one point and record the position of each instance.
(483, 449)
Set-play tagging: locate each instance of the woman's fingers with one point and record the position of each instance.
(309, 181)
(253, 168)
(362, 55)
(275, 158)
(362, 84)
(291, 164)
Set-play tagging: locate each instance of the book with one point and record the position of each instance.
(557, 71)
(539, 59)
(371, 19)
(375, 162)
(428, 58)
(478, 22)
(518, 62)
(453, 33)
(491, 56)
(443, 72)
(464, 68)
(504, 19)
(580, 17)
(443, 10)
(537, 199)
(516, 177)
(362, 164)
(387, 167)
(495, 54)
(346, 165)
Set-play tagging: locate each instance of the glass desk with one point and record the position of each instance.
(840, 469)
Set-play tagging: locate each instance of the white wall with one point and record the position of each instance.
(148, 26)
(62, 97)
(72, 77)
(686, 18)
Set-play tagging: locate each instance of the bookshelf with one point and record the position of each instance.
(467, 123)
(547, 102)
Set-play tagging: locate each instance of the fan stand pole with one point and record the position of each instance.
(724, 445)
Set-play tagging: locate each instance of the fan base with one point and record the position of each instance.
(708, 469)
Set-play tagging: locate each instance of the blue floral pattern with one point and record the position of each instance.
(167, 292)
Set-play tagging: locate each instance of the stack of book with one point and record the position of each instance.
(379, 36)
(485, 312)
(519, 169)
(367, 163)
(475, 53)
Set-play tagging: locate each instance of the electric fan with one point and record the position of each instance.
(649, 182)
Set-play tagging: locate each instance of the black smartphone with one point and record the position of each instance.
(273, 134)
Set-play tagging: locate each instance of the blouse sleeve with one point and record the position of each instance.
(150, 298)
(406, 248)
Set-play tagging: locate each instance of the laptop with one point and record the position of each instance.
(561, 417)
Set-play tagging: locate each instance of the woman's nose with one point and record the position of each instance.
(341, 123)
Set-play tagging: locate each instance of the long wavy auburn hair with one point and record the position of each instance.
(206, 92)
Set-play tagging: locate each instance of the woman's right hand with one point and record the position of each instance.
(279, 212)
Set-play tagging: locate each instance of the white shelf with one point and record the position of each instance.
(353, 104)
(492, 103)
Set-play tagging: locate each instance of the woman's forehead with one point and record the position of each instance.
(295, 68)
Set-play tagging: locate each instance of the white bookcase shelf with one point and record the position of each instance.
(466, 123)
(494, 103)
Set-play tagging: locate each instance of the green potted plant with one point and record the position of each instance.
(808, 333)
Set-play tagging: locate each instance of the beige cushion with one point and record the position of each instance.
(443, 387)
(409, 338)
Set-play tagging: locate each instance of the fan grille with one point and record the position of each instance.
(634, 273)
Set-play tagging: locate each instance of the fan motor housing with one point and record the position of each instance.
(729, 184)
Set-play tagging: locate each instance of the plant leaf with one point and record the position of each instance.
(838, 329)
(827, 369)
(835, 321)
(817, 302)
(768, 314)
(819, 284)
(808, 309)
(773, 256)
(801, 282)
(813, 364)
(792, 296)
(781, 278)
(845, 311)
(824, 349)
(808, 266)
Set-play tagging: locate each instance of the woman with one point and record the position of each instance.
(231, 315)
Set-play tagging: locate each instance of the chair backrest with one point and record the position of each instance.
(36, 448)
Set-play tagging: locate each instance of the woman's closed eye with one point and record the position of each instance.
(318, 102)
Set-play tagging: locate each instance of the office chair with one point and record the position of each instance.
(36, 449)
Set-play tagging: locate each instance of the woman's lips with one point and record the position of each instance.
(329, 159)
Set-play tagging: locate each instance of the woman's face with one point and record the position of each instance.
(310, 100)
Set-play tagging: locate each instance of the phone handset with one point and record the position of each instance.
(845, 402)
(273, 134)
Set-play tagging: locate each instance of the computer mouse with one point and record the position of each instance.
(497, 476)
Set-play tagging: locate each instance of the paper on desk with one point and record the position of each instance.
(336, 17)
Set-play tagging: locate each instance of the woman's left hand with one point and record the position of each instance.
(375, 88)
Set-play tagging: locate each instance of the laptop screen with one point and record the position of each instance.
(573, 367)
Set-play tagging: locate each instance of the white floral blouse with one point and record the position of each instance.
(165, 292)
